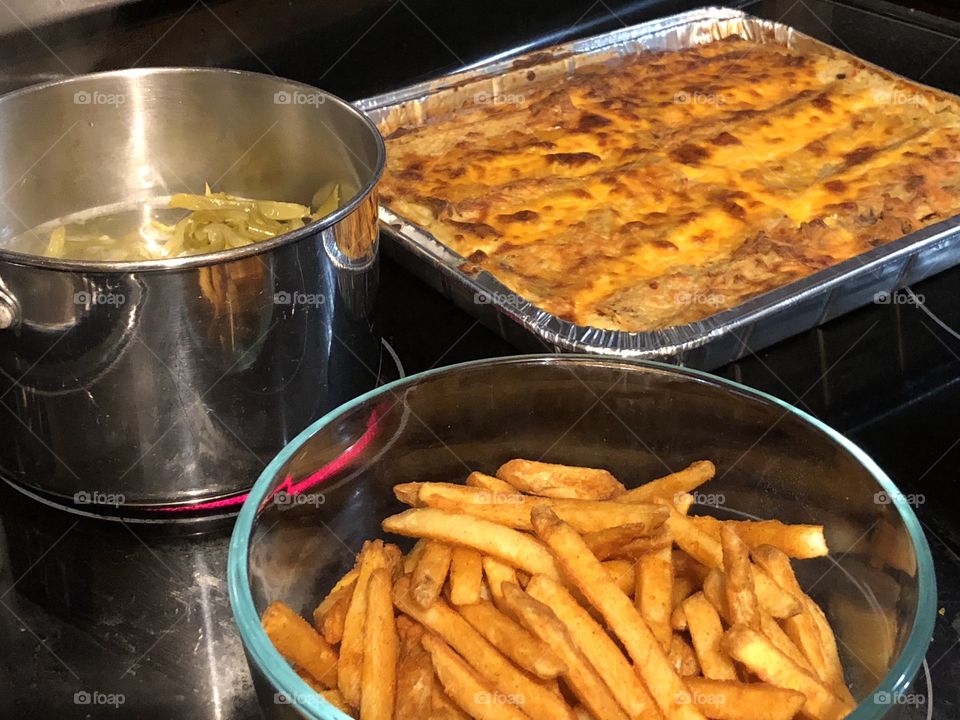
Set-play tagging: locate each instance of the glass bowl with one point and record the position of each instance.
(328, 490)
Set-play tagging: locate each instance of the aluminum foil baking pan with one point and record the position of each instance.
(708, 343)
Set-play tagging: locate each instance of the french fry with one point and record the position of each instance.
(596, 646)
(510, 546)
(513, 509)
(497, 573)
(686, 567)
(715, 592)
(373, 556)
(579, 674)
(489, 663)
(800, 628)
(623, 573)
(431, 573)
(732, 700)
(380, 651)
(442, 707)
(683, 502)
(688, 536)
(411, 559)
(682, 657)
(466, 576)
(342, 588)
(560, 481)
(407, 493)
(414, 673)
(335, 698)
(503, 632)
(300, 644)
(742, 605)
(626, 541)
(489, 482)
(760, 657)
(683, 587)
(797, 541)
(706, 631)
(782, 642)
(332, 623)
(669, 486)
(772, 598)
(678, 619)
(476, 697)
(585, 571)
(653, 593)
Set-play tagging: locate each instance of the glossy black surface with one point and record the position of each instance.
(88, 606)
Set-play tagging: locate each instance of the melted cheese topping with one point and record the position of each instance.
(661, 190)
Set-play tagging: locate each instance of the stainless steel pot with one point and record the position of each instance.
(175, 381)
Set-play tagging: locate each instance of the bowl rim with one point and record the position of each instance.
(203, 259)
(262, 653)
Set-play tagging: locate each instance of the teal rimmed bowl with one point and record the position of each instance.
(328, 490)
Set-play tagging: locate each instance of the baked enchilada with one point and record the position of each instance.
(659, 190)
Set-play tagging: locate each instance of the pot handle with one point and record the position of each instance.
(9, 309)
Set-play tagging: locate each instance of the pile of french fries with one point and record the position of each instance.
(553, 592)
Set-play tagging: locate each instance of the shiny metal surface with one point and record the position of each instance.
(709, 343)
(174, 381)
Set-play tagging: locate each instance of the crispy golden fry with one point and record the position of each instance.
(782, 642)
(732, 700)
(442, 707)
(706, 631)
(797, 541)
(332, 623)
(682, 502)
(579, 674)
(678, 619)
(342, 588)
(593, 641)
(380, 650)
(688, 536)
(373, 556)
(769, 664)
(503, 632)
(653, 593)
(431, 573)
(510, 546)
(489, 482)
(715, 592)
(683, 587)
(335, 698)
(513, 509)
(682, 657)
(741, 597)
(497, 573)
(669, 486)
(489, 662)
(623, 573)
(299, 643)
(466, 576)
(478, 698)
(585, 571)
(772, 598)
(627, 541)
(407, 493)
(560, 481)
(411, 559)
(800, 628)
(414, 673)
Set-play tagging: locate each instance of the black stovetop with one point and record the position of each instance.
(94, 613)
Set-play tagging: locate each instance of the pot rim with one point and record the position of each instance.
(221, 256)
